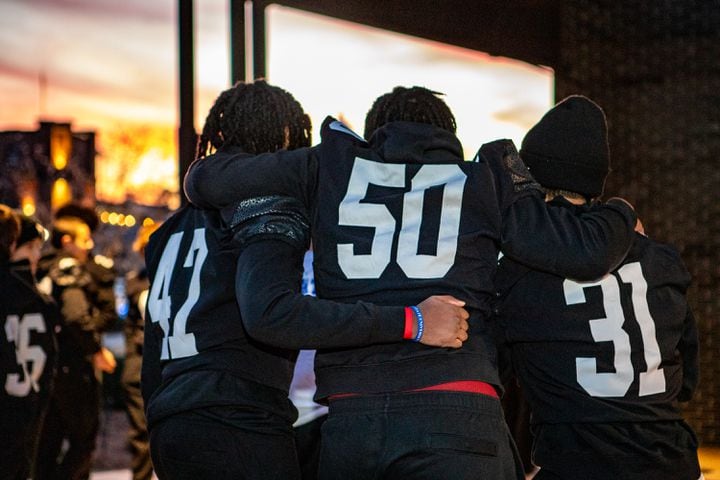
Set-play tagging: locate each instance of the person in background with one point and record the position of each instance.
(602, 363)
(28, 347)
(136, 288)
(83, 292)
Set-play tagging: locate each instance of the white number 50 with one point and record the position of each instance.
(352, 212)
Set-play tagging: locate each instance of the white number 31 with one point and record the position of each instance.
(609, 329)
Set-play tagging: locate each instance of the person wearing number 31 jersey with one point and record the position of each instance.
(602, 363)
(395, 218)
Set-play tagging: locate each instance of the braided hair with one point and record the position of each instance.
(415, 104)
(256, 117)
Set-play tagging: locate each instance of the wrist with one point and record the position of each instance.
(420, 324)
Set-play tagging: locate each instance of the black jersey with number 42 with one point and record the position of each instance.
(193, 322)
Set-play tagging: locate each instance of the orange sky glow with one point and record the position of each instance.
(111, 67)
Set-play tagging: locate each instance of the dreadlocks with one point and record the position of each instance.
(415, 104)
(257, 117)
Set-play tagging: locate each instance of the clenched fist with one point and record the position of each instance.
(445, 321)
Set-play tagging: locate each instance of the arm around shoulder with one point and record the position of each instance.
(226, 177)
(559, 240)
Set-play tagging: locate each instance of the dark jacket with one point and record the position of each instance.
(136, 289)
(84, 294)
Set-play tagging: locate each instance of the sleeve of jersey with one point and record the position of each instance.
(268, 217)
(555, 239)
(552, 238)
(688, 348)
(268, 280)
(225, 178)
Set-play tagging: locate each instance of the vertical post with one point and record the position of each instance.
(187, 138)
(237, 41)
(258, 23)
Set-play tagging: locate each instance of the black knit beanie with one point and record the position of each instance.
(568, 148)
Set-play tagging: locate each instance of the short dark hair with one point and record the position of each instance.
(257, 117)
(86, 214)
(414, 104)
(9, 231)
(30, 229)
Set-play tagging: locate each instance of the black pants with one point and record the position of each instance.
(307, 441)
(137, 434)
(423, 435)
(218, 443)
(20, 423)
(74, 415)
(517, 415)
(665, 450)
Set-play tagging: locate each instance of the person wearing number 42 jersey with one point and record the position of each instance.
(602, 363)
(28, 347)
(395, 218)
(216, 399)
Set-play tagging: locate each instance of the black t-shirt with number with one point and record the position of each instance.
(603, 363)
(402, 217)
(28, 357)
(196, 352)
(619, 349)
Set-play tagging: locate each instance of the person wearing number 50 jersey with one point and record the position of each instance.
(216, 399)
(602, 363)
(395, 218)
(28, 349)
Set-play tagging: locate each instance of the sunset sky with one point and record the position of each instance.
(111, 66)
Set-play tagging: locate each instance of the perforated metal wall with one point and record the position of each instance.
(654, 66)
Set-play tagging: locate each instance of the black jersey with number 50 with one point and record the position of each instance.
(394, 224)
(619, 349)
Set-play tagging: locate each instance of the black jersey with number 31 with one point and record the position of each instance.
(619, 349)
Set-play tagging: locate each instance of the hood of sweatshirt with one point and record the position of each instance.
(409, 142)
